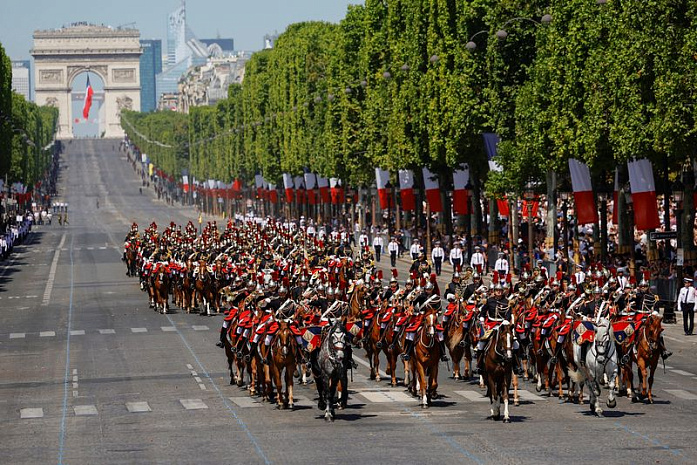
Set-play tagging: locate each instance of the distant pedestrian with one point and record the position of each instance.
(393, 249)
(437, 256)
(378, 243)
(686, 305)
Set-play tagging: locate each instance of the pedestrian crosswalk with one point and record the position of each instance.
(375, 398)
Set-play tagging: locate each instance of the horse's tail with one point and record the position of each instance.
(575, 375)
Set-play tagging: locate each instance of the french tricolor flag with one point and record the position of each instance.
(310, 185)
(337, 191)
(432, 191)
(382, 177)
(586, 211)
(461, 177)
(643, 194)
(323, 184)
(288, 185)
(88, 99)
(273, 194)
(406, 190)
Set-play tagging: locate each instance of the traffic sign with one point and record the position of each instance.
(656, 236)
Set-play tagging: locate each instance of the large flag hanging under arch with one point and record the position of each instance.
(88, 99)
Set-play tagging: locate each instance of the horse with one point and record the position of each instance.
(131, 259)
(204, 286)
(459, 339)
(330, 370)
(426, 358)
(498, 369)
(283, 350)
(601, 359)
(160, 288)
(647, 353)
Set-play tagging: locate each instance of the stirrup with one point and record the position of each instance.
(666, 354)
(406, 357)
(444, 358)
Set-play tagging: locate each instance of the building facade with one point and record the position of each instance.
(150, 66)
(21, 78)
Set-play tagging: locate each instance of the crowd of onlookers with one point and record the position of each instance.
(14, 233)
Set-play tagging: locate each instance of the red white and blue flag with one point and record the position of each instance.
(88, 99)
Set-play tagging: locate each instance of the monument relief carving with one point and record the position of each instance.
(51, 76)
(124, 103)
(123, 75)
(52, 102)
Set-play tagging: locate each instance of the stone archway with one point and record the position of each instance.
(113, 54)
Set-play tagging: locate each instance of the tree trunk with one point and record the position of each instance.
(551, 211)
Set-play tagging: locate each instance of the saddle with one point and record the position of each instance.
(624, 331)
(486, 328)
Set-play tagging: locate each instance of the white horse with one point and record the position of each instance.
(600, 363)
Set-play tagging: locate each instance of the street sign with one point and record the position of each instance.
(657, 236)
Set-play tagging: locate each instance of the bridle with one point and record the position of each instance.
(507, 343)
(428, 330)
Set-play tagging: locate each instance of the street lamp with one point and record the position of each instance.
(529, 196)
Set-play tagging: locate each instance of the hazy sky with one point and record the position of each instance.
(246, 21)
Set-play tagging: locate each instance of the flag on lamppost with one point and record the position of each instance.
(586, 211)
(382, 177)
(406, 190)
(643, 194)
(461, 177)
(337, 191)
(288, 186)
(432, 191)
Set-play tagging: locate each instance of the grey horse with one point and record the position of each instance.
(331, 368)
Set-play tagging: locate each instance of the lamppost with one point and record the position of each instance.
(529, 196)
(564, 196)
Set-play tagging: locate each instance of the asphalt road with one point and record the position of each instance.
(91, 375)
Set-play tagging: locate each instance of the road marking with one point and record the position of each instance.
(681, 394)
(102, 248)
(52, 274)
(193, 404)
(27, 413)
(198, 380)
(32, 296)
(138, 407)
(169, 329)
(17, 335)
(200, 328)
(683, 373)
(667, 367)
(472, 396)
(107, 331)
(385, 397)
(74, 378)
(188, 365)
(75, 385)
(202, 386)
(74, 371)
(47, 334)
(193, 373)
(77, 332)
(139, 330)
(245, 402)
(528, 396)
(85, 410)
(367, 365)
(90, 248)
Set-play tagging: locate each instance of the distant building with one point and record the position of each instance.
(150, 66)
(21, 78)
(176, 36)
(270, 40)
(207, 84)
(167, 102)
(167, 81)
(226, 46)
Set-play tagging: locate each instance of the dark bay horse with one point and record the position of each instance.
(498, 369)
(160, 288)
(204, 287)
(648, 351)
(425, 361)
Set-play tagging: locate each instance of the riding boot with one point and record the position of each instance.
(397, 336)
(408, 347)
(517, 366)
(443, 353)
(665, 353)
(221, 343)
(252, 351)
(584, 351)
(123, 259)
(266, 359)
(349, 357)
(381, 337)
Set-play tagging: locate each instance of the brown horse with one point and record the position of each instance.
(648, 351)
(283, 350)
(425, 361)
(160, 287)
(204, 287)
(459, 339)
(131, 260)
(393, 345)
(498, 369)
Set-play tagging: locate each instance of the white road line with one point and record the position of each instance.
(367, 365)
(198, 380)
(107, 331)
(27, 413)
(245, 402)
(200, 328)
(75, 378)
(202, 386)
(683, 373)
(77, 332)
(386, 397)
(52, 274)
(472, 396)
(527, 395)
(681, 394)
(17, 335)
(90, 248)
(76, 385)
(189, 366)
(32, 296)
(102, 248)
(85, 410)
(193, 404)
(138, 407)
(168, 329)
(193, 373)
(139, 330)
(47, 334)
(74, 371)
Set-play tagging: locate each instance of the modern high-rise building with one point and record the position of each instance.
(21, 78)
(227, 46)
(150, 66)
(176, 36)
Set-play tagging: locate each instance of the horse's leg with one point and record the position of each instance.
(290, 403)
(505, 383)
(516, 398)
(376, 360)
(652, 369)
(612, 375)
(423, 386)
(276, 373)
(433, 383)
(643, 374)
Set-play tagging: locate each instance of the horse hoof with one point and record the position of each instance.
(516, 403)
(612, 403)
(506, 420)
(538, 388)
(599, 412)
(290, 406)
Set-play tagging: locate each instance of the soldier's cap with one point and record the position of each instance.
(687, 280)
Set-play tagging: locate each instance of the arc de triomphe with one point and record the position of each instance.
(112, 54)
